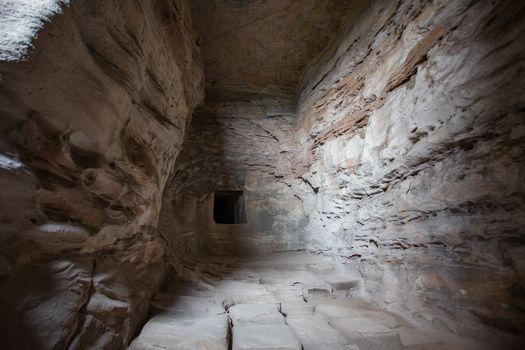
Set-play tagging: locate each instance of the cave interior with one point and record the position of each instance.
(262, 174)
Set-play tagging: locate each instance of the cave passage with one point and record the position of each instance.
(262, 174)
(228, 207)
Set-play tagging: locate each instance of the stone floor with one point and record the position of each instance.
(285, 301)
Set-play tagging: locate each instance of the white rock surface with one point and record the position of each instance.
(335, 311)
(262, 337)
(247, 314)
(314, 330)
(368, 333)
(206, 333)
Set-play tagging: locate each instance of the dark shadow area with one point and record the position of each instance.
(207, 208)
(228, 207)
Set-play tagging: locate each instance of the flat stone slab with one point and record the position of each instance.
(343, 282)
(317, 292)
(321, 268)
(314, 329)
(331, 347)
(245, 314)
(242, 292)
(360, 325)
(296, 309)
(265, 337)
(208, 333)
(385, 318)
(368, 334)
(285, 293)
(187, 305)
(336, 311)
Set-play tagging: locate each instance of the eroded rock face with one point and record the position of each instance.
(95, 99)
(415, 131)
(406, 159)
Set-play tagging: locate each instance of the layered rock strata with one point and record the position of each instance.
(402, 155)
(414, 126)
(95, 100)
(405, 158)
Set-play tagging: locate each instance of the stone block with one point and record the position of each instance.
(265, 337)
(314, 329)
(207, 333)
(255, 314)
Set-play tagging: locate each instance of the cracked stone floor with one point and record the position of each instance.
(285, 301)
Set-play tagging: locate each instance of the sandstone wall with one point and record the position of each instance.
(95, 97)
(246, 146)
(413, 127)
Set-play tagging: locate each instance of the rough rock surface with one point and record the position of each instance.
(95, 97)
(235, 145)
(413, 132)
(405, 158)
(264, 300)
(253, 48)
(401, 155)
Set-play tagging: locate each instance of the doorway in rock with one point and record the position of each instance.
(228, 207)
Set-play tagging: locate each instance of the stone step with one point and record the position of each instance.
(265, 337)
(384, 318)
(168, 333)
(292, 309)
(287, 294)
(353, 303)
(314, 329)
(335, 311)
(331, 347)
(247, 314)
(242, 292)
(343, 282)
(321, 268)
(368, 333)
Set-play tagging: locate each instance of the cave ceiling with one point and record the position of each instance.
(262, 47)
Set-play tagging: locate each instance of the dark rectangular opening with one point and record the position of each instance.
(228, 207)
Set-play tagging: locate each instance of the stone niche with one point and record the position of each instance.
(229, 207)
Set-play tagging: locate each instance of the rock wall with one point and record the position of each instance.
(405, 156)
(95, 97)
(413, 130)
(246, 146)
